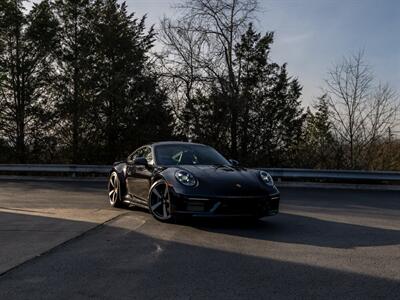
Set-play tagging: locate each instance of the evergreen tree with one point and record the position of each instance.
(26, 46)
(127, 108)
(319, 148)
(210, 119)
(74, 66)
(271, 116)
(150, 117)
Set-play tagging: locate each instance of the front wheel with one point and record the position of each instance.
(160, 201)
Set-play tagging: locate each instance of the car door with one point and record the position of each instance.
(130, 170)
(139, 176)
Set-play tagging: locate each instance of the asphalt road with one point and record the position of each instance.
(62, 241)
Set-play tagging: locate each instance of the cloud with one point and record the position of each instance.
(297, 38)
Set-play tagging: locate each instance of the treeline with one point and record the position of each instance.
(81, 83)
(77, 84)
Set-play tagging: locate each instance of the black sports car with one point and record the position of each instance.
(177, 178)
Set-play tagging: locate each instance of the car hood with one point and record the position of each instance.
(226, 181)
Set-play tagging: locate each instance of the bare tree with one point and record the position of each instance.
(361, 111)
(383, 112)
(201, 43)
(179, 65)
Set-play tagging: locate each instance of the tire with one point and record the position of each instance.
(114, 190)
(160, 201)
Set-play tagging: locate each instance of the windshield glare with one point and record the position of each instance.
(188, 155)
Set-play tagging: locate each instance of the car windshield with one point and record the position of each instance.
(181, 154)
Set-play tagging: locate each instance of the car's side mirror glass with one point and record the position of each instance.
(140, 161)
(234, 162)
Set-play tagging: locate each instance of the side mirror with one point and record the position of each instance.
(140, 161)
(234, 163)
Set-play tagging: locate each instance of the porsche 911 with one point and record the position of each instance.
(173, 179)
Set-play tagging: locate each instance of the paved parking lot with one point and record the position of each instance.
(60, 240)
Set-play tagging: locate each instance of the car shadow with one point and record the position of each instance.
(112, 262)
(29, 186)
(344, 201)
(297, 229)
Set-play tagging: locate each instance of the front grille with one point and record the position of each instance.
(196, 206)
(230, 206)
(240, 206)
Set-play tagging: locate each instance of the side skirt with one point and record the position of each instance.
(129, 199)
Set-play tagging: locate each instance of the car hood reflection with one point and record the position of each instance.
(227, 180)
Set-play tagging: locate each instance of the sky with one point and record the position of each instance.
(313, 35)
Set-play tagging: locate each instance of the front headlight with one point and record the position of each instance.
(266, 178)
(185, 178)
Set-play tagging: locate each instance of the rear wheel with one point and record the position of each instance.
(160, 201)
(114, 190)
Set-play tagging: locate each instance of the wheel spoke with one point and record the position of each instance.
(113, 181)
(165, 214)
(112, 191)
(115, 196)
(155, 206)
(157, 193)
(166, 192)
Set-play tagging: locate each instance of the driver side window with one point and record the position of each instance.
(142, 152)
(137, 153)
(147, 154)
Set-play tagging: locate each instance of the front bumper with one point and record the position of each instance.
(237, 206)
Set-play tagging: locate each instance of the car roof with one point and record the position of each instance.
(175, 143)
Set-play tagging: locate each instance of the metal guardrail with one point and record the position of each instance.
(277, 173)
(73, 169)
